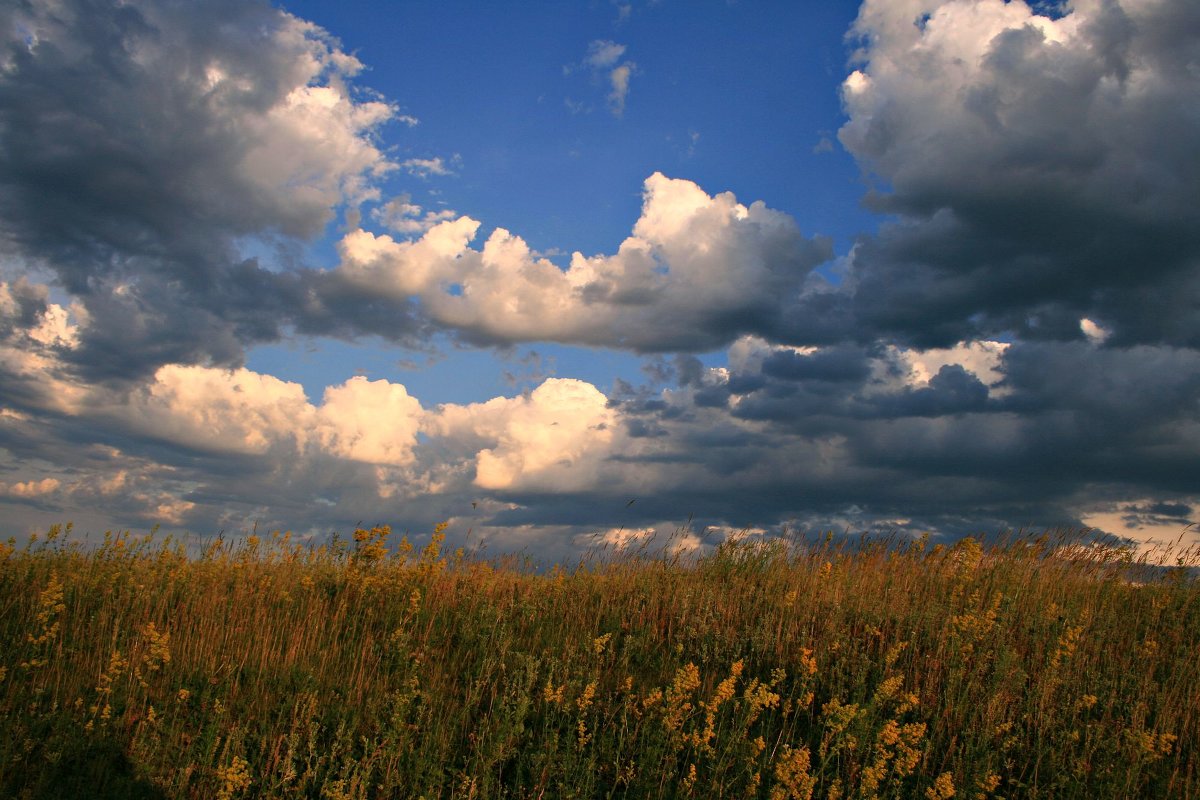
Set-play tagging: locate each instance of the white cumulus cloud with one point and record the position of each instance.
(697, 271)
(556, 438)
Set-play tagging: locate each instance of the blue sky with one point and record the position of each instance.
(569, 273)
(737, 97)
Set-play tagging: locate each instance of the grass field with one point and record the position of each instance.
(365, 668)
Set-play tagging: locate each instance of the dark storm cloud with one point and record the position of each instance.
(1042, 172)
(833, 364)
(844, 438)
(952, 390)
(22, 306)
(1126, 416)
(141, 143)
(1139, 515)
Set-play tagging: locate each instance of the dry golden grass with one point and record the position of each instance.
(270, 669)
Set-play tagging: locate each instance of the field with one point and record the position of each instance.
(1047, 667)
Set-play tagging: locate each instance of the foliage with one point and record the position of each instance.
(275, 669)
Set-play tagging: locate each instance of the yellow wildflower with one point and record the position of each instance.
(233, 778)
(942, 789)
(791, 772)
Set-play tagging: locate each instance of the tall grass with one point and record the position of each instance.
(1037, 668)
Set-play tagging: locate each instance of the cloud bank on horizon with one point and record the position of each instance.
(1018, 343)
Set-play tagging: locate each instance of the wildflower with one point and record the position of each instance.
(50, 605)
(233, 778)
(887, 690)
(1067, 644)
(429, 555)
(757, 746)
(553, 695)
(759, 696)
(584, 702)
(908, 747)
(893, 654)
(689, 780)
(1150, 745)
(942, 789)
(371, 545)
(987, 785)
(725, 689)
(158, 647)
(837, 719)
(966, 555)
(791, 771)
(722, 695)
(974, 627)
(104, 686)
(687, 680)
(404, 548)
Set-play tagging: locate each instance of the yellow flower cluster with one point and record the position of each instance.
(942, 789)
(794, 782)
(50, 606)
(233, 778)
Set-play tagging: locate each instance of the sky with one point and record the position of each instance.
(576, 274)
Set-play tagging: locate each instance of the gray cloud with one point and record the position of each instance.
(1037, 172)
(1063, 428)
(140, 142)
(1042, 170)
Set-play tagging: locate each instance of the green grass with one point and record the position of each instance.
(275, 670)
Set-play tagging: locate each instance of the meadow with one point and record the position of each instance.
(367, 668)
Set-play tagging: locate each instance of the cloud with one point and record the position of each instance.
(552, 439)
(1027, 433)
(34, 336)
(697, 272)
(619, 78)
(603, 54)
(140, 185)
(1017, 344)
(214, 410)
(142, 143)
(240, 412)
(370, 421)
(980, 358)
(426, 167)
(602, 59)
(1042, 170)
(1094, 333)
(403, 216)
(27, 489)
(954, 440)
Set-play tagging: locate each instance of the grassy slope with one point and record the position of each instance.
(273, 670)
